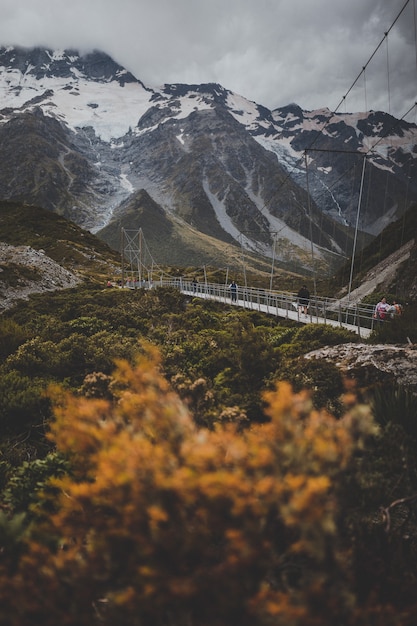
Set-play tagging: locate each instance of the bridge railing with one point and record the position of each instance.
(282, 303)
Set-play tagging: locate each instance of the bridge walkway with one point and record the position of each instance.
(327, 311)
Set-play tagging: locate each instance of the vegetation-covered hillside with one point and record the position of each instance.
(63, 241)
(187, 487)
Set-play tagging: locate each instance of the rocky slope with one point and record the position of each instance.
(41, 251)
(25, 271)
(386, 277)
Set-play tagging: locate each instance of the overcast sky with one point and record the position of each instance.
(273, 52)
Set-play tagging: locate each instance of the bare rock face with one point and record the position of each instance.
(24, 271)
(370, 364)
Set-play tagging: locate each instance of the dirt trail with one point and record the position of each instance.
(380, 276)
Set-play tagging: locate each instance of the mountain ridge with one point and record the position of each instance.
(210, 159)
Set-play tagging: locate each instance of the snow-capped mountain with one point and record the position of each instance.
(198, 167)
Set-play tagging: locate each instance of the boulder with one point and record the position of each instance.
(373, 364)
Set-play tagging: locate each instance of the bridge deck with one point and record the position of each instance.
(288, 312)
(357, 318)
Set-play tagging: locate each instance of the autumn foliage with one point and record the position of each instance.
(161, 522)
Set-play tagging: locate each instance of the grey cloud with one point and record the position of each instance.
(271, 51)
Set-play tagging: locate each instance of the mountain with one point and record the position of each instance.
(204, 172)
(335, 145)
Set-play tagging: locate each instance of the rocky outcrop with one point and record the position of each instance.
(25, 271)
(373, 364)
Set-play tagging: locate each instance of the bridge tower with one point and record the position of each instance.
(131, 250)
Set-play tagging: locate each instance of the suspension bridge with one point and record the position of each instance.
(357, 318)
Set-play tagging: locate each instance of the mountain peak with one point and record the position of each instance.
(46, 63)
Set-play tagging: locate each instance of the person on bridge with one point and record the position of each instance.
(396, 309)
(381, 310)
(303, 300)
(233, 291)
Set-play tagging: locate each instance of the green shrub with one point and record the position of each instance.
(31, 477)
(322, 378)
(12, 335)
(281, 335)
(36, 355)
(88, 325)
(72, 358)
(12, 531)
(314, 336)
(4, 471)
(311, 337)
(395, 404)
(23, 402)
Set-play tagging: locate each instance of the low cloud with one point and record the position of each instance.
(271, 51)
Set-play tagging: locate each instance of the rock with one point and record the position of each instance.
(371, 364)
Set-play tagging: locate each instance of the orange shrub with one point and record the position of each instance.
(164, 523)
